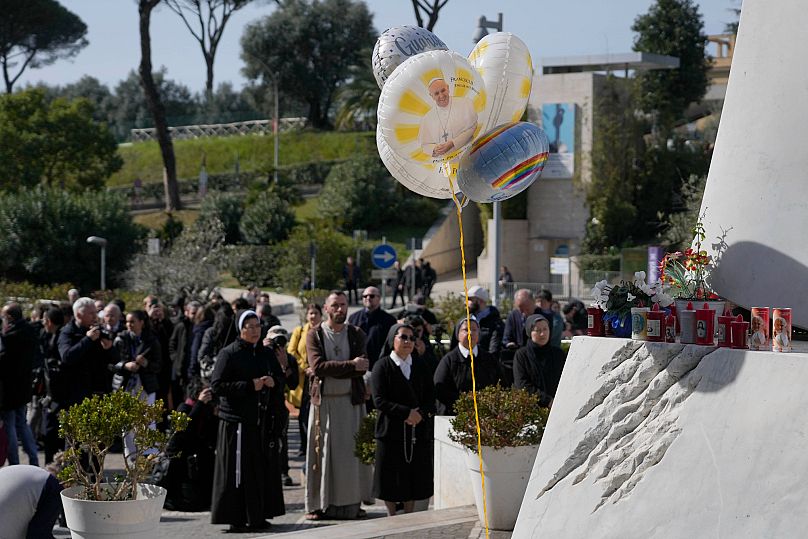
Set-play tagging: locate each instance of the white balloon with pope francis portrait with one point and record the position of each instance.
(425, 180)
(431, 108)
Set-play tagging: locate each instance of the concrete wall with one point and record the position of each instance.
(512, 253)
(452, 480)
(442, 244)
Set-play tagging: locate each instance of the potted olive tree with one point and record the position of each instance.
(124, 506)
(511, 426)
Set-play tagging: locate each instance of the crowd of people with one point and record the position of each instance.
(233, 368)
(415, 279)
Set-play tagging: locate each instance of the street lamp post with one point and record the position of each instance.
(482, 30)
(101, 242)
(277, 126)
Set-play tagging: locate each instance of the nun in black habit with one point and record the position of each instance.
(538, 365)
(404, 395)
(249, 382)
(453, 375)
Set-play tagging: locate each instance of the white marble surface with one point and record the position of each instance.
(755, 192)
(671, 441)
(452, 482)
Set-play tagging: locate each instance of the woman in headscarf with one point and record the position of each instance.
(537, 366)
(140, 357)
(249, 383)
(404, 395)
(453, 375)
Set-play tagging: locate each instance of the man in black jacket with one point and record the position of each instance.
(85, 355)
(179, 349)
(19, 346)
(374, 321)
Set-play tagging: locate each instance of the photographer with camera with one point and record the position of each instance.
(85, 354)
(276, 339)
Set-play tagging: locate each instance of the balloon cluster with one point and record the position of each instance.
(442, 115)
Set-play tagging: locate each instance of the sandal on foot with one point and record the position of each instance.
(315, 515)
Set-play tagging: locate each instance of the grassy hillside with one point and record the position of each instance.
(255, 153)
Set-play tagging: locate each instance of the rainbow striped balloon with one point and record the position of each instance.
(503, 162)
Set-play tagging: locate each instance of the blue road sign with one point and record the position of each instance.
(383, 256)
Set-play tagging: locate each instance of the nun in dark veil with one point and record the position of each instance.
(453, 375)
(405, 398)
(249, 382)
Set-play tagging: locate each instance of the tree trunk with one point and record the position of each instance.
(209, 81)
(155, 104)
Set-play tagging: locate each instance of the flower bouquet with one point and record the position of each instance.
(618, 299)
(686, 273)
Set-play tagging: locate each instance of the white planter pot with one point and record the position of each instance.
(136, 519)
(507, 472)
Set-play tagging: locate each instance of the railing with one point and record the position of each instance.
(578, 288)
(250, 127)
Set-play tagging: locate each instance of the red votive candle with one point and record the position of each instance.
(724, 331)
(594, 322)
(656, 324)
(739, 328)
(705, 329)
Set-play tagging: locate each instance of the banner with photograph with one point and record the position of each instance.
(558, 121)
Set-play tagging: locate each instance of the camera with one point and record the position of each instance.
(278, 337)
(105, 333)
(280, 341)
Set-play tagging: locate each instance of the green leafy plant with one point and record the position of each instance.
(508, 418)
(365, 438)
(90, 428)
(451, 309)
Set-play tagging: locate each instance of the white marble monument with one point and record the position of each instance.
(672, 441)
(755, 196)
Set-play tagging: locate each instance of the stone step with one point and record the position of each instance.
(414, 525)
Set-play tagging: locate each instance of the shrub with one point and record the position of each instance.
(508, 418)
(267, 220)
(254, 265)
(45, 232)
(365, 439)
(92, 427)
(452, 309)
(228, 209)
(358, 194)
(332, 249)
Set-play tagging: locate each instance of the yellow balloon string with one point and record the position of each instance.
(450, 173)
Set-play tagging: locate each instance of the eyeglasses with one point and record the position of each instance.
(251, 327)
(371, 296)
(406, 338)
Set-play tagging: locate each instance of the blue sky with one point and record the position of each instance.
(549, 29)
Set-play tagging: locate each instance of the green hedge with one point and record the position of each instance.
(45, 231)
